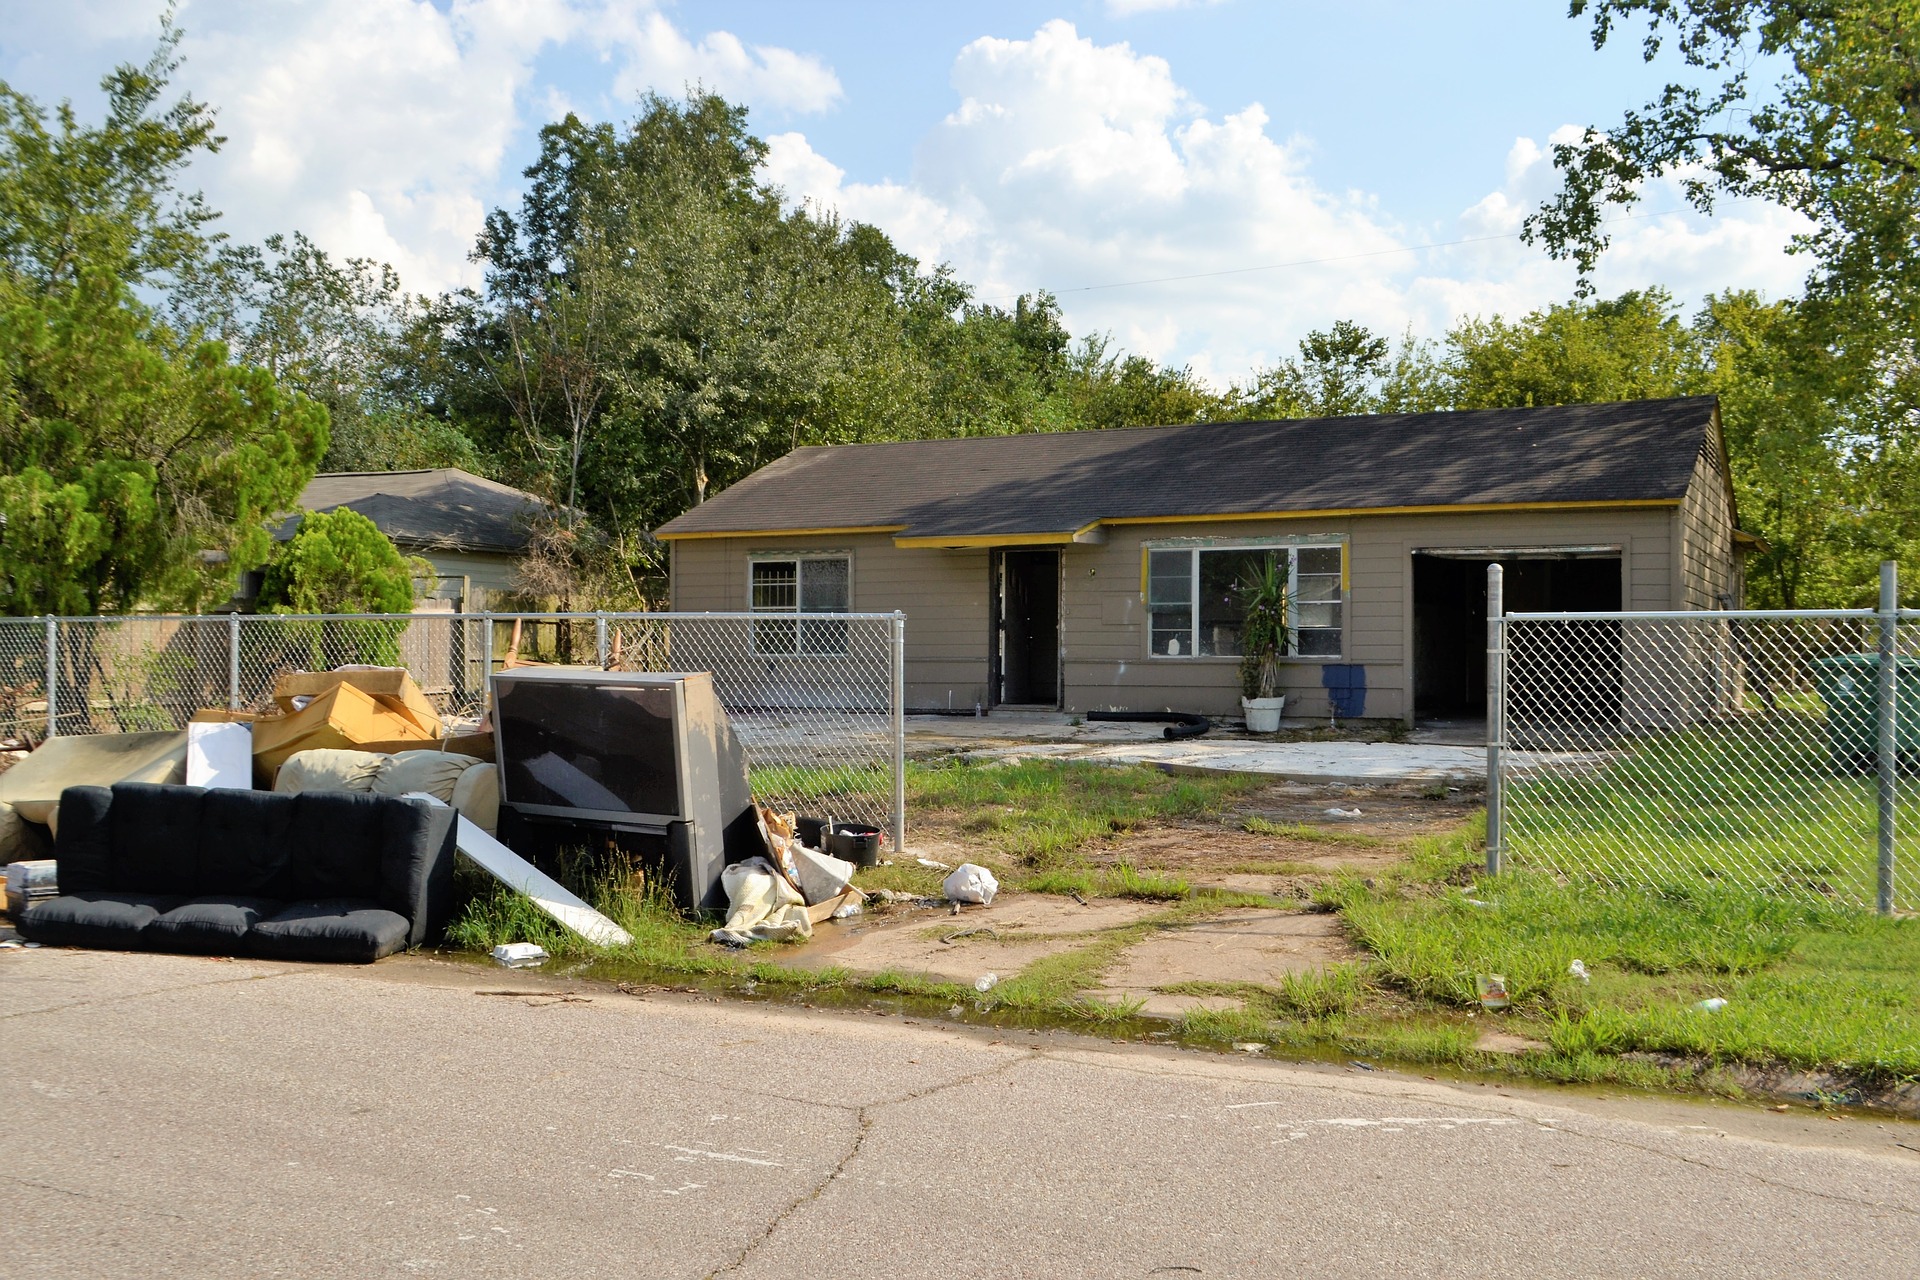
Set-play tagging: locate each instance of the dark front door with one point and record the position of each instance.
(1027, 630)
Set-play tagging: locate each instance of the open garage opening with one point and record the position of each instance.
(1450, 613)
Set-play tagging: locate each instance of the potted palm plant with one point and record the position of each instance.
(1265, 638)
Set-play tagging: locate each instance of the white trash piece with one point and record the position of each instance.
(1579, 970)
(971, 883)
(520, 955)
(1713, 1005)
(819, 875)
(986, 982)
(1341, 813)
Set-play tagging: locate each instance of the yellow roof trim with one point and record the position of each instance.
(1064, 538)
(783, 533)
(999, 539)
(1442, 509)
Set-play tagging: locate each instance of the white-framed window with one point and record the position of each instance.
(1194, 598)
(812, 582)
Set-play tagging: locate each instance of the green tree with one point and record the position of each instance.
(137, 464)
(1633, 347)
(338, 562)
(1806, 104)
(336, 332)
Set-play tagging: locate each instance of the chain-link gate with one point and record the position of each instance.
(816, 699)
(1742, 749)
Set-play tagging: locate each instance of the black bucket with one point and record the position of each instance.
(856, 842)
(810, 831)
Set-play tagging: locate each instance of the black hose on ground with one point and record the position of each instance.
(1183, 724)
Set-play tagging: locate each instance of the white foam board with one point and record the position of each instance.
(220, 755)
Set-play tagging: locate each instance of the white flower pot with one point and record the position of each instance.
(1263, 714)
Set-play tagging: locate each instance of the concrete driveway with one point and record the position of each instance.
(186, 1117)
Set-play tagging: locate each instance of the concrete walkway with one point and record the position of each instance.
(1351, 763)
(174, 1116)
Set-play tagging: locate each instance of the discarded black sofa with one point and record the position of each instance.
(323, 875)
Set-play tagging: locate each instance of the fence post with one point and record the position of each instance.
(899, 733)
(1496, 715)
(600, 638)
(1888, 746)
(233, 662)
(486, 659)
(53, 677)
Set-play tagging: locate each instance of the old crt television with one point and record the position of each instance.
(649, 755)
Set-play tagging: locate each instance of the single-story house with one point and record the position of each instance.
(473, 531)
(1095, 570)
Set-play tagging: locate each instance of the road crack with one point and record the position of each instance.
(865, 1117)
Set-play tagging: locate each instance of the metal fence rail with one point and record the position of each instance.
(1772, 752)
(816, 699)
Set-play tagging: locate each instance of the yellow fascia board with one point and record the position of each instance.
(783, 533)
(1326, 513)
(1000, 539)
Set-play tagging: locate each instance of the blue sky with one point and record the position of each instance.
(1081, 143)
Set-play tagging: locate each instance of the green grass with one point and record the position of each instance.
(1044, 814)
(1756, 804)
(1808, 982)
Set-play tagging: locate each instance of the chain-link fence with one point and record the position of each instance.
(815, 699)
(1742, 749)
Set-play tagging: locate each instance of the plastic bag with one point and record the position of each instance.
(971, 883)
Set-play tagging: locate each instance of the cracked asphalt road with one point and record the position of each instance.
(174, 1116)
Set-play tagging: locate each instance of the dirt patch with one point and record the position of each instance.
(1024, 928)
(1491, 1041)
(1247, 945)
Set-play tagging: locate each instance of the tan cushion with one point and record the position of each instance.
(434, 772)
(477, 797)
(329, 769)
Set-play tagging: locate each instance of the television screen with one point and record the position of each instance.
(608, 748)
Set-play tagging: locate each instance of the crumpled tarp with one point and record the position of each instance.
(762, 904)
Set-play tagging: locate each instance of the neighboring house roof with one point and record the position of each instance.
(1059, 486)
(445, 509)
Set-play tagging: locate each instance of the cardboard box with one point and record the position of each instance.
(343, 716)
(220, 715)
(392, 687)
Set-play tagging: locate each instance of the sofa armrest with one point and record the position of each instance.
(84, 847)
(416, 866)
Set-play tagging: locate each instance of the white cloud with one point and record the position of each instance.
(659, 57)
(1068, 164)
(383, 127)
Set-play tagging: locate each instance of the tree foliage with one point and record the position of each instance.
(138, 464)
(338, 562)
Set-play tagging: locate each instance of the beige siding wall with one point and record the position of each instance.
(1703, 537)
(944, 595)
(1105, 656)
(487, 575)
(1107, 660)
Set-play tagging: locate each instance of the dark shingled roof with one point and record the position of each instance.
(446, 509)
(1057, 483)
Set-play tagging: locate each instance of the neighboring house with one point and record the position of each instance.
(473, 531)
(1097, 569)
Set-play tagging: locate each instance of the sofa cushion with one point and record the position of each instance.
(85, 852)
(341, 929)
(329, 769)
(95, 919)
(436, 773)
(244, 844)
(215, 926)
(335, 843)
(154, 839)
